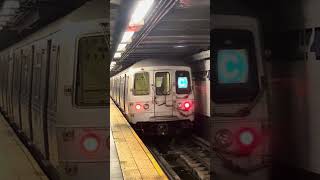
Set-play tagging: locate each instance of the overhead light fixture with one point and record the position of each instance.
(179, 46)
(7, 12)
(117, 55)
(121, 47)
(11, 4)
(113, 64)
(140, 11)
(126, 38)
(5, 18)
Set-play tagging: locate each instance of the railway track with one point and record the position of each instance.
(186, 158)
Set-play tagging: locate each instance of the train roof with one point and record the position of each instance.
(158, 62)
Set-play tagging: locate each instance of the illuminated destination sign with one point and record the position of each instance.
(233, 66)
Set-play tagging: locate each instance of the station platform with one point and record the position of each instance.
(16, 162)
(130, 158)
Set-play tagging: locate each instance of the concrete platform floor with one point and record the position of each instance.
(16, 162)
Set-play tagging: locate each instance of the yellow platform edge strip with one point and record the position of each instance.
(145, 149)
(150, 156)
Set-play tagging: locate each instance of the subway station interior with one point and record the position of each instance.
(159, 89)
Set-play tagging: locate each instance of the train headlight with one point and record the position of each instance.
(90, 143)
(186, 106)
(138, 107)
(224, 138)
(247, 139)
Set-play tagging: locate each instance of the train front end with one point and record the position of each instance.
(239, 98)
(162, 100)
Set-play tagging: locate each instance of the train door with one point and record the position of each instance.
(45, 105)
(163, 95)
(124, 91)
(2, 72)
(25, 92)
(52, 102)
(40, 97)
(9, 92)
(6, 80)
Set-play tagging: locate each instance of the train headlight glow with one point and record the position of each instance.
(138, 106)
(224, 138)
(246, 138)
(90, 143)
(187, 105)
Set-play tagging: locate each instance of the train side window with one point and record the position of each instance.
(315, 47)
(308, 33)
(162, 83)
(92, 75)
(141, 84)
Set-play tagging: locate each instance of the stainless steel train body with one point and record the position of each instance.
(53, 90)
(200, 65)
(239, 98)
(156, 95)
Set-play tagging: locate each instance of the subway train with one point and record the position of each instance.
(239, 102)
(156, 95)
(200, 65)
(53, 91)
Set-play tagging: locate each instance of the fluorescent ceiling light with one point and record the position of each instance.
(179, 46)
(121, 47)
(5, 18)
(127, 37)
(117, 55)
(11, 4)
(113, 64)
(7, 12)
(140, 11)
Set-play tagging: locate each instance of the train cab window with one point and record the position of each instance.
(92, 76)
(183, 82)
(162, 83)
(141, 84)
(235, 73)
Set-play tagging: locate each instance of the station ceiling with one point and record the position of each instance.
(30, 16)
(177, 28)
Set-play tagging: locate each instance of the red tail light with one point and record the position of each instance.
(90, 143)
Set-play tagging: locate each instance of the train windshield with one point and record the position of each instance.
(235, 66)
(92, 75)
(162, 83)
(141, 84)
(183, 82)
